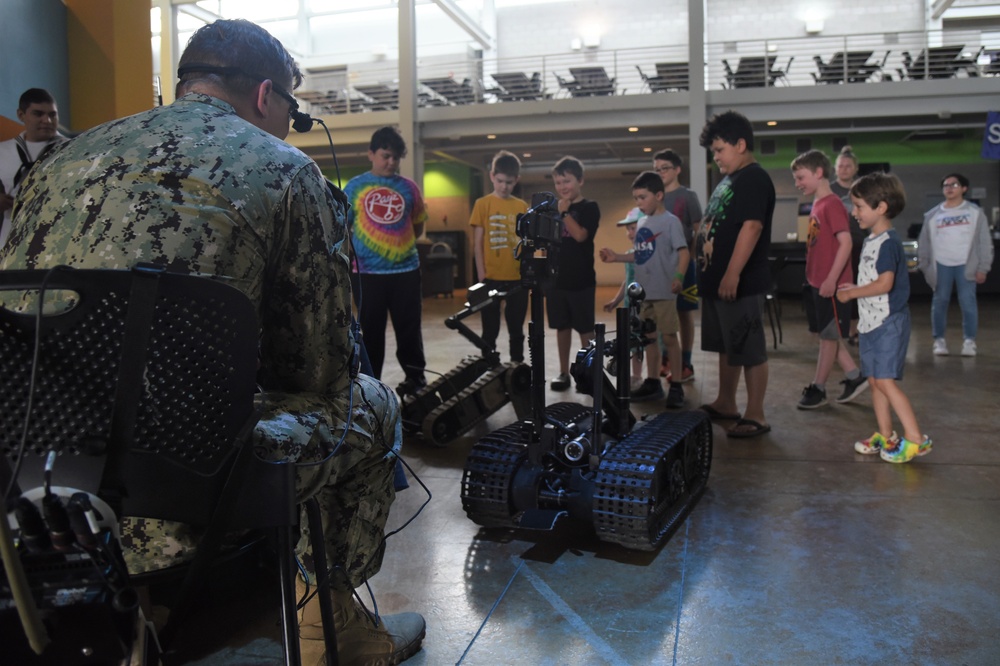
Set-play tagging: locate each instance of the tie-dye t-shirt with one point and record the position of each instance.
(383, 213)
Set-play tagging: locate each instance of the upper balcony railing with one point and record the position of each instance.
(809, 61)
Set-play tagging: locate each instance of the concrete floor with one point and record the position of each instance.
(800, 551)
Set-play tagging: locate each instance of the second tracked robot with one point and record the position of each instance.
(635, 485)
(477, 387)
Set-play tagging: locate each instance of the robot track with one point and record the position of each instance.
(649, 481)
(471, 406)
(416, 407)
(488, 479)
(489, 474)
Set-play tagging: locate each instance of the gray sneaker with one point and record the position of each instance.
(812, 397)
(852, 388)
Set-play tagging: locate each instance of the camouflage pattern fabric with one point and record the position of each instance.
(195, 189)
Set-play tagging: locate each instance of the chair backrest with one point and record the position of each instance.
(144, 386)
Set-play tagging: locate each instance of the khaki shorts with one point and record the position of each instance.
(664, 315)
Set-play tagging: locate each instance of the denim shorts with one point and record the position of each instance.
(883, 351)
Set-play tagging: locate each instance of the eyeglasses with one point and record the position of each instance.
(949, 186)
(293, 106)
(664, 169)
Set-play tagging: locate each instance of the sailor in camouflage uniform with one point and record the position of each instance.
(207, 186)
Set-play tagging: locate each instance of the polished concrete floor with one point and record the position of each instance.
(800, 551)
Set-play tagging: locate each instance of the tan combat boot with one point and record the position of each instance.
(359, 640)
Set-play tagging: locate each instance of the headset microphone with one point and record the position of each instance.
(301, 121)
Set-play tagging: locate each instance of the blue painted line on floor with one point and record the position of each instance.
(595, 641)
(680, 592)
(487, 618)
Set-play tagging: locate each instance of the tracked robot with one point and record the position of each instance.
(477, 387)
(634, 484)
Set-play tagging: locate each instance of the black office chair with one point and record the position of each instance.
(730, 75)
(144, 386)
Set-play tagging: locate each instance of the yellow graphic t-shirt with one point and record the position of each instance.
(498, 218)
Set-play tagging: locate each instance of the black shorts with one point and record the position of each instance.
(819, 313)
(568, 308)
(687, 300)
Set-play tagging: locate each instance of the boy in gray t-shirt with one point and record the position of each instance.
(661, 258)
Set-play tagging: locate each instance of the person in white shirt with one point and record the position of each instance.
(955, 248)
(37, 110)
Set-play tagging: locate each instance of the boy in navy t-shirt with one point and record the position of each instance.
(883, 291)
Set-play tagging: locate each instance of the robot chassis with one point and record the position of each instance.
(635, 485)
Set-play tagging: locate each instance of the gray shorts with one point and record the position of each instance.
(883, 351)
(735, 328)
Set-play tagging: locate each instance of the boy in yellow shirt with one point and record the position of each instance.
(494, 226)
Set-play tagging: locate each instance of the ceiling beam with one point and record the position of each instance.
(940, 7)
(465, 22)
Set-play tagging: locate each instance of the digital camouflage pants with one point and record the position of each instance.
(352, 481)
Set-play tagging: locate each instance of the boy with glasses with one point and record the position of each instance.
(684, 204)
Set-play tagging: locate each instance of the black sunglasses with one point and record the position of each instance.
(293, 106)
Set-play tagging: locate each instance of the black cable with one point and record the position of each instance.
(333, 151)
(23, 446)
(381, 440)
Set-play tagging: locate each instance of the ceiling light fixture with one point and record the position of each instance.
(633, 129)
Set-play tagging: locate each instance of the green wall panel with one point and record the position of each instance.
(891, 147)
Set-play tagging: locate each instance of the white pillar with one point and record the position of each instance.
(697, 162)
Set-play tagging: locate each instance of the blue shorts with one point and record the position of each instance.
(883, 351)
(687, 300)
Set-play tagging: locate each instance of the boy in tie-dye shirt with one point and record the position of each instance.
(387, 215)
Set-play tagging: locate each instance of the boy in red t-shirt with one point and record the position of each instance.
(828, 264)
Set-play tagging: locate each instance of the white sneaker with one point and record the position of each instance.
(940, 347)
(969, 347)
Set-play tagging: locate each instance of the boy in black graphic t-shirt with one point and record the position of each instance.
(732, 247)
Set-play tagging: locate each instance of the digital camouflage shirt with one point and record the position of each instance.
(196, 189)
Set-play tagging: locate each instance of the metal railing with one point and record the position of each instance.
(805, 61)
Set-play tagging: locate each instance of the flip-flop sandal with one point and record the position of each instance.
(758, 429)
(716, 415)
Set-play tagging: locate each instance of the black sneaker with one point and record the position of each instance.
(675, 396)
(651, 389)
(410, 386)
(812, 397)
(560, 383)
(853, 388)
